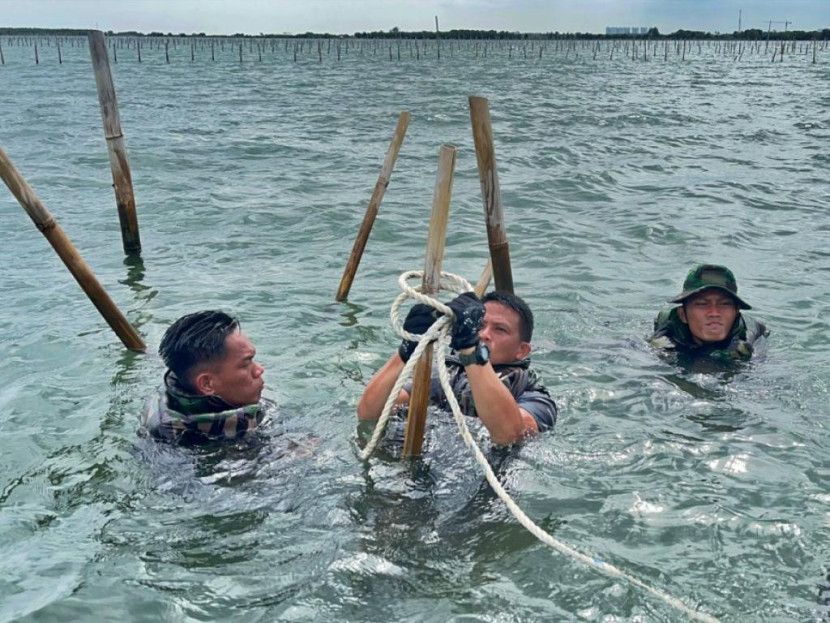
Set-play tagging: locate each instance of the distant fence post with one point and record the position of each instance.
(120, 165)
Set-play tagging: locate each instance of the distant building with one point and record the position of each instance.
(626, 30)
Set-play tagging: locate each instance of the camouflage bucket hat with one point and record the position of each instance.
(706, 276)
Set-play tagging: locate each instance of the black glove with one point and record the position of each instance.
(469, 314)
(418, 321)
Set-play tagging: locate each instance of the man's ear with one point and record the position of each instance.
(681, 313)
(203, 383)
(524, 351)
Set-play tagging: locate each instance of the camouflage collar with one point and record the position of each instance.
(180, 399)
(189, 418)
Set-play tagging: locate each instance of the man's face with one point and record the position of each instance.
(237, 378)
(710, 315)
(500, 331)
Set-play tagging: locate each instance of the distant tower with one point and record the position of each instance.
(739, 19)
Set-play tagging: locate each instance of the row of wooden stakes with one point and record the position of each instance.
(416, 48)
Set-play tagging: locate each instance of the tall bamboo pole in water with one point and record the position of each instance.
(119, 164)
(373, 207)
(418, 400)
(60, 242)
(491, 193)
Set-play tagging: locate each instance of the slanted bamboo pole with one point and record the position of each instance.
(417, 417)
(491, 193)
(373, 207)
(484, 279)
(119, 163)
(60, 242)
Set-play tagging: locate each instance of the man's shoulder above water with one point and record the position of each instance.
(172, 414)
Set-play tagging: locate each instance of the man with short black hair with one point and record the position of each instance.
(490, 372)
(213, 387)
(708, 320)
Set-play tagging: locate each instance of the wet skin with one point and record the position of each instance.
(709, 315)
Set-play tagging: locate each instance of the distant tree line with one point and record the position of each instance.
(395, 33)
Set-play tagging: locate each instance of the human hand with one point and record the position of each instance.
(418, 321)
(469, 315)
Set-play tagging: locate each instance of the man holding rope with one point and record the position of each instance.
(489, 373)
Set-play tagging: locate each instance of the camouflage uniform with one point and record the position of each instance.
(175, 415)
(672, 333)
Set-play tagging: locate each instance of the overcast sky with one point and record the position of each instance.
(349, 16)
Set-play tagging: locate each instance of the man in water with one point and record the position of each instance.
(489, 374)
(212, 388)
(708, 320)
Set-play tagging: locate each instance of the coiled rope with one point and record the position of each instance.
(440, 332)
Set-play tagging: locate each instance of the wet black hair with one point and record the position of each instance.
(517, 305)
(195, 339)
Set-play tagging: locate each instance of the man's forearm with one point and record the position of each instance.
(377, 391)
(496, 407)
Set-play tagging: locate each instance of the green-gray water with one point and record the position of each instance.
(251, 180)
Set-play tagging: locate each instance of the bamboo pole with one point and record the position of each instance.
(491, 193)
(373, 207)
(60, 242)
(484, 279)
(416, 420)
(119, 164)
(437, 39)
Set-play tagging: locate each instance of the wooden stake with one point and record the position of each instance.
(437, 39)
(416, 420)
(484, 279)
(119, 164)
(60, 242)
(491, 193)
(373, 207)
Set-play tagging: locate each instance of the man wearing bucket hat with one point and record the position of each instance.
(708, 319)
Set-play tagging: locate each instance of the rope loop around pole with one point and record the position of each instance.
(439, 332)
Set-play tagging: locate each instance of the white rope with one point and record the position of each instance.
(440, 332)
